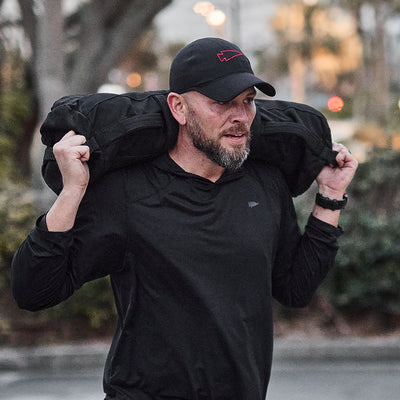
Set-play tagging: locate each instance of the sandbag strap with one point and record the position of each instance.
(124, 127)
(48, 154)
(315, 144)
(117, 131)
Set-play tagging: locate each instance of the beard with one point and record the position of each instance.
(230, 158)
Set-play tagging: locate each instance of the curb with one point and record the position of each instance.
(337, 349)
(289, 349)
(72, 356)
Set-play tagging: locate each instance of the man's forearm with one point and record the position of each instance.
(328, 216)
(61, 216)
(325, 214)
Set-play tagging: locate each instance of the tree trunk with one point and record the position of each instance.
(103, 33)
(106, 36)
(372, 101)
(380, 102)
(49, 80)
(297, 72)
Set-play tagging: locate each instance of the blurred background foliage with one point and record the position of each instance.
(17, 112)
(313, 55)
(367, 274)
(364, 284)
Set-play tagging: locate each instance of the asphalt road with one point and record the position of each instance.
(335, 380)
(316, 380)
(41, 384)
(302, 370)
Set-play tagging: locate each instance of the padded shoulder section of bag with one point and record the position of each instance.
(135, 127)
(294, 137)
(120, 130)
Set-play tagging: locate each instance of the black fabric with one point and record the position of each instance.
(193, 265)
(120, 130)
(135, 127)
(294, 137)
(216, 68)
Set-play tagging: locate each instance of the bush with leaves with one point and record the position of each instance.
(17, 115)
(92, 305)
(367, 271)
(17, 215)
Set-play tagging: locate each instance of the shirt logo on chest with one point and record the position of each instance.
(253, 204)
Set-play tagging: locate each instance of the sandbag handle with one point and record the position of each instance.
(125, 127)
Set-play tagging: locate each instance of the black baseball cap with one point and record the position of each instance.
(216, 68)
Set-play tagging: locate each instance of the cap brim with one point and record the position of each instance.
(228, 87)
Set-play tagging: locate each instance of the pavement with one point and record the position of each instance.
(304, 368)
(294, 348)
(338, 348)
(58, 357)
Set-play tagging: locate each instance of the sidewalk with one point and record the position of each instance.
(89, 355)
(71, 356)
(338, 349)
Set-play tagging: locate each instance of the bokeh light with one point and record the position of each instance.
(335, 103)
(134, 80)
(203, 8)
(216, 18)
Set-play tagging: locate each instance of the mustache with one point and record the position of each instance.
(239, 129)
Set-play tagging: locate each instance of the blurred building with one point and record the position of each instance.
(393, 50)
(178, 22)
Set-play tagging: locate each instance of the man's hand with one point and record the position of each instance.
(72, 156)
(333, 182)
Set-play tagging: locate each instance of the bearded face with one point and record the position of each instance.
(227, 155)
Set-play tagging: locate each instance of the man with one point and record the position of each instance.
(197, 242)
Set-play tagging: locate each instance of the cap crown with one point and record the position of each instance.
(206, 60)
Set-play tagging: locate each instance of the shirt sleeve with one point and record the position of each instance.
(49, 266)
(302, 260)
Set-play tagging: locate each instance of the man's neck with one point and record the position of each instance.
(195, 161)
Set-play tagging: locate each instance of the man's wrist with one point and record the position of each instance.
(330, 193)
(61, 216)
(329, 203)
(73, 191)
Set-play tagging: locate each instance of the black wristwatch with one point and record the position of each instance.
(331, 204)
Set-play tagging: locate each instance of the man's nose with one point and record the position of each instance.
(240, 113)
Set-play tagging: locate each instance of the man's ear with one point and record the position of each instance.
(176, 104)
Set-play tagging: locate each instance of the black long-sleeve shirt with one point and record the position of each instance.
(194, 266)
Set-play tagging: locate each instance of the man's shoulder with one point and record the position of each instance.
(270, 176)
(263, 167)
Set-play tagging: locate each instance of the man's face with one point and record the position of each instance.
(221, 130)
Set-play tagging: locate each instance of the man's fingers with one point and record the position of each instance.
(344, 156)
(69, 134)
(341, 157)
(73, 139)
(72, 146)
(84, 153)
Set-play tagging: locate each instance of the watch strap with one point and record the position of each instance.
(331, 204)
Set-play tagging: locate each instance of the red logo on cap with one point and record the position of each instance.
(227, 55)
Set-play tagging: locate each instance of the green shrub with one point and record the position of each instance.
(17, 216)
(92, 305)
(16, 109)
(367, 271)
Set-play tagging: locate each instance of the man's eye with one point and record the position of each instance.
(250, 100)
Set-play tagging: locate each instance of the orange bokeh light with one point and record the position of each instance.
(203, 8)
(134, 80)
(335, 103)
